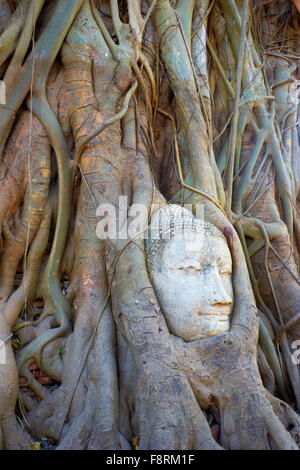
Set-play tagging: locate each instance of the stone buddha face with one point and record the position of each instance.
(190, 267)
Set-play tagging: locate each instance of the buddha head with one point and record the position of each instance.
(190, 267)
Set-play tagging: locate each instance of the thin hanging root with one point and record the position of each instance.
(281, 334)
(149, 11)
(137, 25)
(45, 52)
(142, 84)
(201, 23)
(257, 194)
(113, 47)
(284, 184)
(26, 36)
(115, 14)
(235, 119)
(26, 290)
(220, 68)
(9, 37)
(136, 21)
(265, 339)
(291, 367)
(285, 265)
(267, 245)
(149, 72)
(243, 188)
(56, 301)
(268, 348)
(179, 167)
(272, 233)
(259, 243)
(82, 143)
(292, 321)
(60, 307)
(265, 118)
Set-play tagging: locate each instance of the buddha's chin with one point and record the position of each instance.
(213, 331)
(206, 327)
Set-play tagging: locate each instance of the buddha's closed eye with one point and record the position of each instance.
(190, 268)
(197, 268)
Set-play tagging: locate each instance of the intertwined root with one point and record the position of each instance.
(45, 420)
(248, 421)
(14, 436)
(288, 417)
(250, 416)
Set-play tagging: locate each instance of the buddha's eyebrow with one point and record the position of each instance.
(194, 256)
(187, 261)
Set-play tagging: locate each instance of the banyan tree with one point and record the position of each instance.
(176, 124)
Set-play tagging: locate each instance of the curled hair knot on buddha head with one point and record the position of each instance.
(170, 221)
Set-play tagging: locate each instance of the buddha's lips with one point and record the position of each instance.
(215, 314)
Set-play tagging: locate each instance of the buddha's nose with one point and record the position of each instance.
(219, 296)
(224, 300)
